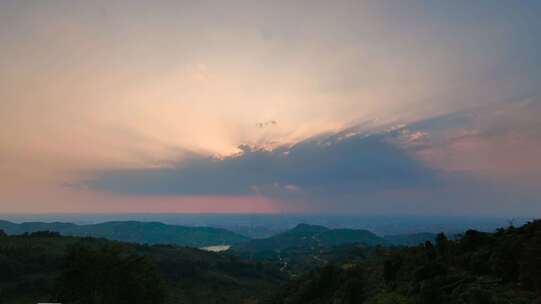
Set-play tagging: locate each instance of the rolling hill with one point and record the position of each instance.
(307, 246)
(42, 266)
(303, 244)
(314, 237)
(474, 267)
(135, 232)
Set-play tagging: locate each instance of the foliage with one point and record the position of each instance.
(330, 284)
(40, 268)
(109, 275)
(475, 268)
(391, 297)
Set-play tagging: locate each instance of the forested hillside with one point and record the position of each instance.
(135, 232)
(307, 246)
(47, 267)
(503, 267)
(478, 268)
(305, 237)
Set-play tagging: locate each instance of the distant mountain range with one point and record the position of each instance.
(134, 232)
(302, 237)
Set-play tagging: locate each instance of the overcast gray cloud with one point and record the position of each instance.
(358, 163)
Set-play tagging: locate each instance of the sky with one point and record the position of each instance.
(410, 107)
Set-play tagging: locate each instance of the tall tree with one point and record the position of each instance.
(109, 275)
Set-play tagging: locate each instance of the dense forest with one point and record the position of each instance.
(475, 267)
(306, 246)
(47, 267)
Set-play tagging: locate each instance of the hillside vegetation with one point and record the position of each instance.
(47, 267)
(503, 267)
(306, 246)
(134, 232)
(477, 268)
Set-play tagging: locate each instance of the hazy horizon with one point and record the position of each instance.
(262, 225)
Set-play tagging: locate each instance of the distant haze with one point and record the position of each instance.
(265, 225)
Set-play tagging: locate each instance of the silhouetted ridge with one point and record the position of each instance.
(308, 237)
(306, 228)
(135, 232)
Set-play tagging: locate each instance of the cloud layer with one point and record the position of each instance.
(459, 162)
(325, 164)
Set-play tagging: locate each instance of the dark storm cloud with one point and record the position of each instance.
(326, 165)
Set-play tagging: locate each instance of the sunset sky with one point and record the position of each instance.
(415, 107)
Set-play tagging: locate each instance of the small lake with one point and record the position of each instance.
(216, 248)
